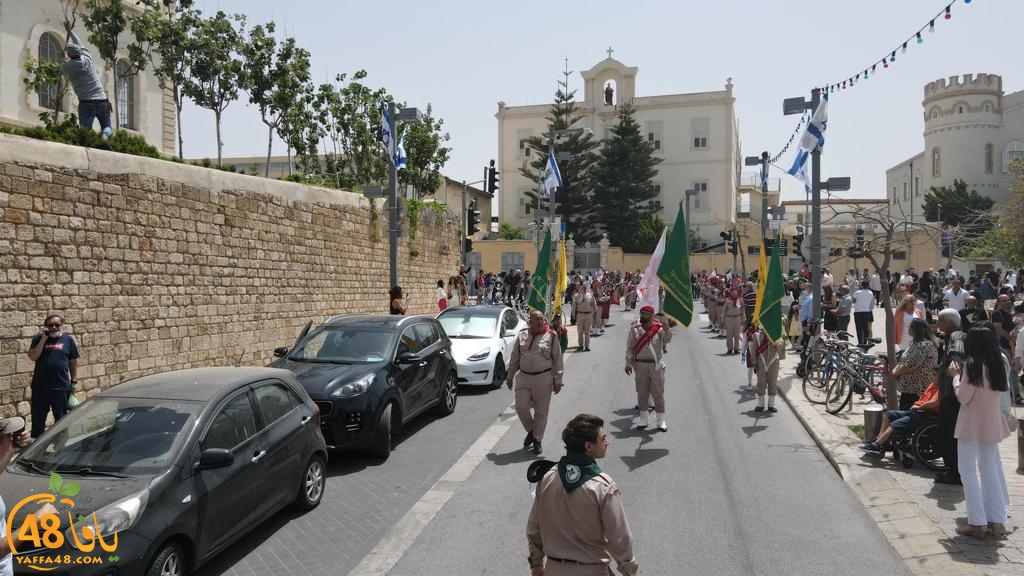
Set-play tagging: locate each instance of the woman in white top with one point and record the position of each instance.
(442, 296)
(863, 304)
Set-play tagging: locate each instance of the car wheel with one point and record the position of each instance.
(169, 561)
(311, 484)
(449, 394)
(499, 373)
(382, 439)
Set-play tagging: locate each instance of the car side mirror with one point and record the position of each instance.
(508, 333)
(408, 358)
(281, 352)
(213, 458)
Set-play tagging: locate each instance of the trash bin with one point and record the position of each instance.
(872, 422)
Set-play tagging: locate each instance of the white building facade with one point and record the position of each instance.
(36, 29)
(972, 131)
(695, 135)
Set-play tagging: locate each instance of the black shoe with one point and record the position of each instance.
(949, 479)
(773, 409)
(587, 349)
(529, 439)
(537, 448)
(758, 409)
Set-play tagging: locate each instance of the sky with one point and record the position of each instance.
(463, 56)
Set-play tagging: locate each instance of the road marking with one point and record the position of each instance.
(404, 533)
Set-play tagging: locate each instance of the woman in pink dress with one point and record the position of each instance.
(980, 427)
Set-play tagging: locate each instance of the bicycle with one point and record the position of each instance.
(862, 373)
(823, 364)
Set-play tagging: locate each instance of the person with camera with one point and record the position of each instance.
(13, 439)
(56, 372)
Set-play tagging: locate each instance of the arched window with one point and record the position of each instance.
(936, 162)
(987, 107)
(988, 158)
(1014, 151)
(50, 50)
(125, 96)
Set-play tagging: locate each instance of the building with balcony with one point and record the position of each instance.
(36, 30)
(695, 135)
(972, 132)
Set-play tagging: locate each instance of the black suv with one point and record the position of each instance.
(371, 374)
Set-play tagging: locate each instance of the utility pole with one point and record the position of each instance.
(393, 230)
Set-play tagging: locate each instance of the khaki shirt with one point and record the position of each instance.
(584, 302)
(586, 525)
(653, 351)
(537, 354)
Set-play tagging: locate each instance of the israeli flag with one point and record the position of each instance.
(552, 177)
(400, 157)
(812, 139)
(386, 137)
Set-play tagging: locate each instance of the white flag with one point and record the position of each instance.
(386, 137)
(400, 157)
(813, 139)
(647, 290)
(552, 177)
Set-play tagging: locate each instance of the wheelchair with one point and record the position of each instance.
(920, 444)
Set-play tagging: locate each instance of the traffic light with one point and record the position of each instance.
(492, 179)
(725, 235)
(467, 245)
(472, 219)
(858, 243)
(798, 239)
(734, 244)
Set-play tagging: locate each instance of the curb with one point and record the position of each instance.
(918, 540)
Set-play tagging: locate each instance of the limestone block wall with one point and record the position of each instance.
(157, 266)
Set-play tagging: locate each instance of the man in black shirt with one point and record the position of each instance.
(55, 354)
(1002, 323)
(949, 407)
(972, 314)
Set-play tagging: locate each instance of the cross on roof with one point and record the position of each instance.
(610, 51)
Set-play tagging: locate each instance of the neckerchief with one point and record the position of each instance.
(649, 335)
(533, 337)
(575, 468)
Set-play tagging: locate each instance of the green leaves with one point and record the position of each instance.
(58, 487)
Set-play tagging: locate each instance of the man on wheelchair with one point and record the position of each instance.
(905, 421)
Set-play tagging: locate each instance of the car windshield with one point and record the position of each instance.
(467, 324)
(115, 435)
(344, 345)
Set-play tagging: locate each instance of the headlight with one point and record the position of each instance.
(354, 388)
(116, 517)
(481, 355)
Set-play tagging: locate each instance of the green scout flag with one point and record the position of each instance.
(539, 283)
(674, 273)
(770, 318)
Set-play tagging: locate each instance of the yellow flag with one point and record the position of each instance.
(762, 276)
(560, 283)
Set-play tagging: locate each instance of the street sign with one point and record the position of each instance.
(826, 247)
(775, 224)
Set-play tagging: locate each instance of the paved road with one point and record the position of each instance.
(724, 491)
(363, 499)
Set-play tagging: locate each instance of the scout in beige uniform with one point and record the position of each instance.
(645, 345)
(577, 520)
(766, 364)
(584, 306)
(733, 314)
(538, 355)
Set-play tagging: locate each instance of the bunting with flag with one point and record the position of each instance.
(770, 317)
(538, 299)
(560, 283)
(674, 272)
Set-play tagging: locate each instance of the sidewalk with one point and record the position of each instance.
(918, 516)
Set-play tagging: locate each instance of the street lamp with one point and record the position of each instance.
(798, 106)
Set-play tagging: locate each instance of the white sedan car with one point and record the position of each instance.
(482, 339)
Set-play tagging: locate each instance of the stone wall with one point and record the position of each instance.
(158, 266)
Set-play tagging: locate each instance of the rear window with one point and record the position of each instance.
(343, 344)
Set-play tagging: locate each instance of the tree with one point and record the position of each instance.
(960, 208)
(274, 75)
(215, 71)
(163, 32)
(646, 232)
(623, 183)
(426, 154)
(509, 232)
(45, 76)
(106, 20)
(1005, 240)
(574, 199)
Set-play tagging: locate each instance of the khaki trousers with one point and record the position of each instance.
(732, 332)
(584, 324)
(533, 390)
(713, 314)
(650, 381)
(769, 380)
